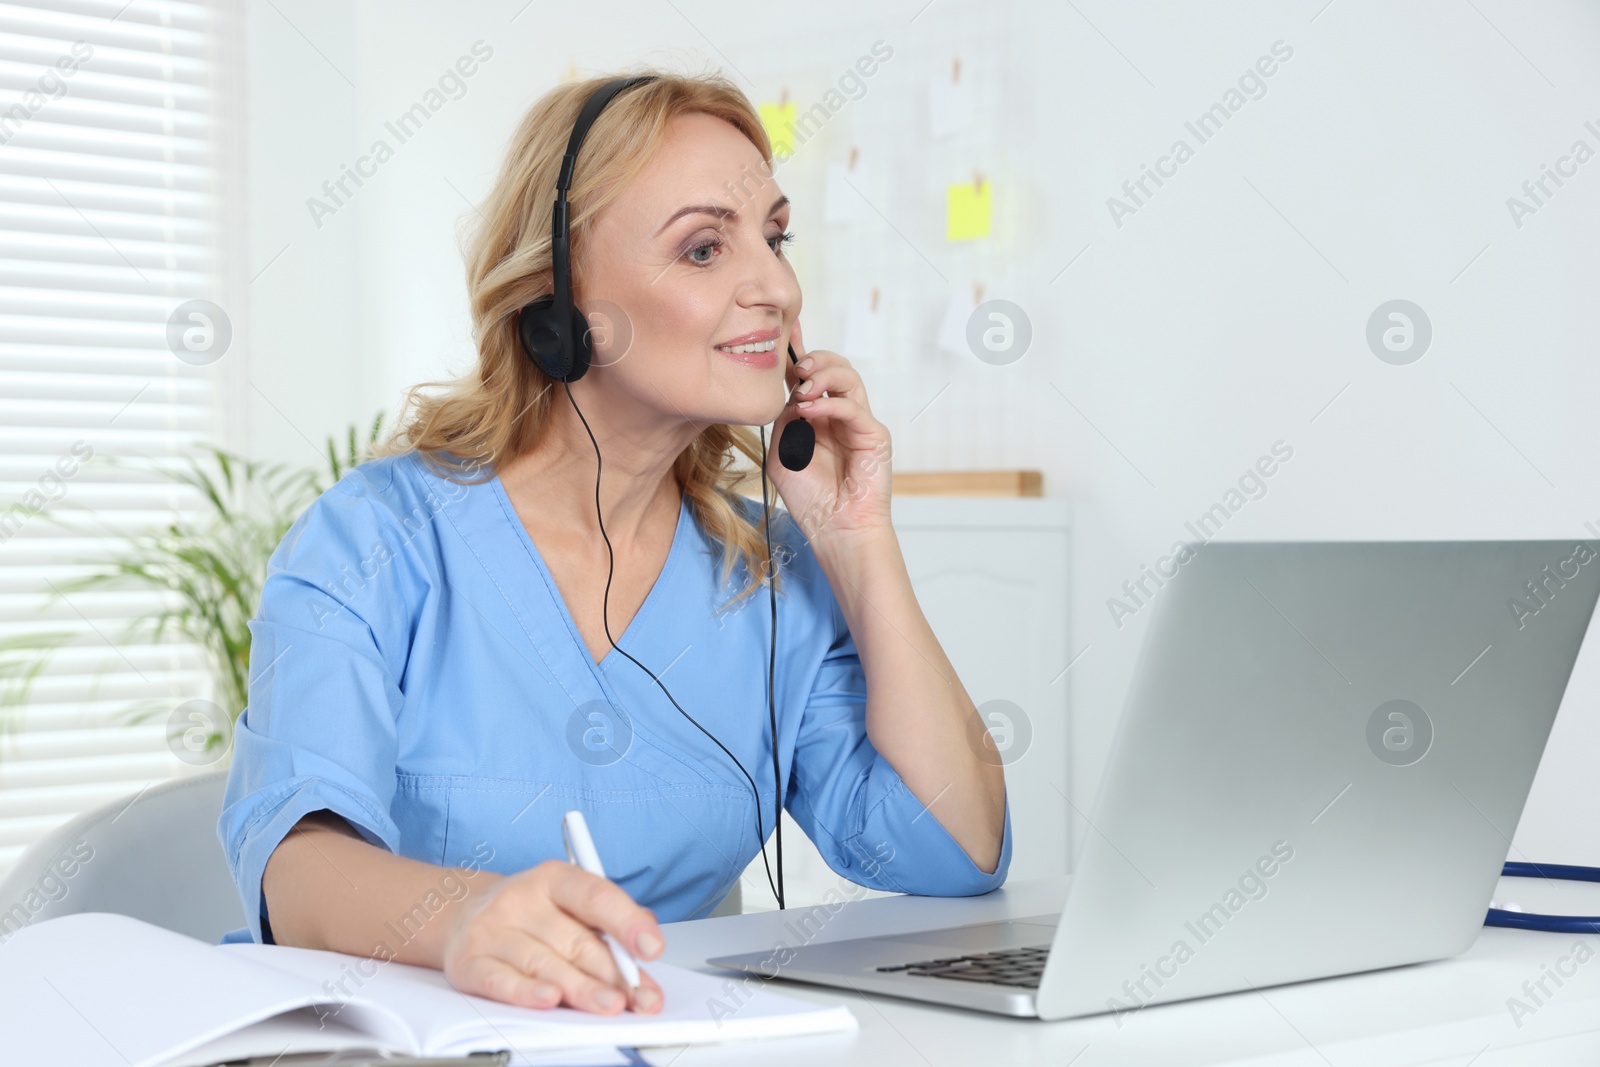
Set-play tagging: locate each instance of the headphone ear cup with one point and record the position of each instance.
(537, 329)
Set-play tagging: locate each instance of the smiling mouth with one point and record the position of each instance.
(748, 350)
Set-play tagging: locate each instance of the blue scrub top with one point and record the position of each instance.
(414, 669)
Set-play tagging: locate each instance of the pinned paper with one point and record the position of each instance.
(778, 119)
(865, 339)
(844, 193)
(967, 210)
(950, 104)
(953, 330)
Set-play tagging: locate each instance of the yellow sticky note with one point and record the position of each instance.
(967, 209)
(779, 122)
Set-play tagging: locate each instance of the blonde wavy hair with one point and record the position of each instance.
(501, 408)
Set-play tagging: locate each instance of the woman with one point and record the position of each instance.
(433, 682)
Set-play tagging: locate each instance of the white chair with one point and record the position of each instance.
(154, 855)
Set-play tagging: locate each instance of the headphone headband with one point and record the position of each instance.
(591, 110)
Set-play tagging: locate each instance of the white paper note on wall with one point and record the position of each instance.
(953, 330)
(845, 192)
(865, 339)
(950, 106)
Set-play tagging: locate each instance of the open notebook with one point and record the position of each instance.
(99, 988)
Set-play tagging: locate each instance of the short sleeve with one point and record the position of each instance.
(853, 805)
(327, 646)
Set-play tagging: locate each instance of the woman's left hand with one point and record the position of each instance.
(845, 489)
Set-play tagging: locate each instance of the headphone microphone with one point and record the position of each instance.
(554, 335)
(798, 440)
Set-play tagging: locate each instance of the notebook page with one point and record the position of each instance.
(699, 1008)
(97, 988)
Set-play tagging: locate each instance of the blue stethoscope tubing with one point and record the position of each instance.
(1557, 924)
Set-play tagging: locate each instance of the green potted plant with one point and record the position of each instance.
(210, 571)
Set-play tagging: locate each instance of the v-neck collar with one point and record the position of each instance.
(657, 591)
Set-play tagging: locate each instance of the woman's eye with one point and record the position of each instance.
(775, 243)
(701, 248)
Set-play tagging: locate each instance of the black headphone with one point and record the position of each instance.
(555, 335)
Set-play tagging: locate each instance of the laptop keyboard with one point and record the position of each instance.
(1013, 966)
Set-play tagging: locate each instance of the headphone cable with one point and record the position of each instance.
(772, 655)
(777, 890)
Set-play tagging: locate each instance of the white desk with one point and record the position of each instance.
(1437, 1013)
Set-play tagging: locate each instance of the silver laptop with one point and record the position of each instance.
(1321, 762)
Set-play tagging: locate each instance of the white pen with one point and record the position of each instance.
(581, 850)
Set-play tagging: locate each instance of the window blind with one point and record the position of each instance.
(109, 221)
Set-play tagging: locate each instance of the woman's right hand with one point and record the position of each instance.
(529, 939)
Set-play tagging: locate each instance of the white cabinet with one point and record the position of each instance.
(991, 576)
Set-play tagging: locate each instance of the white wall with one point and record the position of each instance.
(1222, 316)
